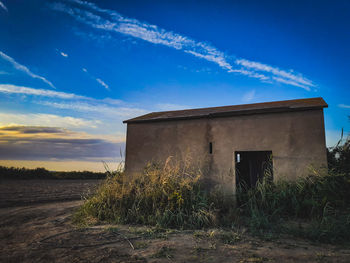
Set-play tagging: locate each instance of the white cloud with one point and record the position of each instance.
(107, 111)
(110, 21)
(286, 77)
(13, 89)
(112, 101)
(291, 82)
(78, 102)
(144, 31)
(51, 120)
(102, 83)
(3, 6)
(249, 96)
(251, 74)
(216, 57)
(344, 106)
(64, 54)
(24, 69)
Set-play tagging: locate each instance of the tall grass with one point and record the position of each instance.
(168, 196)
(173, 196)
(319, 201)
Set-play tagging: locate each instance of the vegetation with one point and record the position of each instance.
(172, 196)
(339, 156)
(42, 173)
(318, 203)
(169, 196)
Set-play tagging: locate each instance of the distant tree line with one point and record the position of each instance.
(42, 173)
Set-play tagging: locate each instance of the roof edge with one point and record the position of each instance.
(236, 112)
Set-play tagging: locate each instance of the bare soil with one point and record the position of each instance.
(26, 192)
(37, 227)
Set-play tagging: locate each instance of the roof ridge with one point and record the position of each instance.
(253, 108)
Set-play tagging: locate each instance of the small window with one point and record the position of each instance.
(210, 148)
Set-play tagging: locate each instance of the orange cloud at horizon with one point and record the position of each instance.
(56, 148)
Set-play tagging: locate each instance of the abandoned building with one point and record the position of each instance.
(238, 142)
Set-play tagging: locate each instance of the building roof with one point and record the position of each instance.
(225, 111)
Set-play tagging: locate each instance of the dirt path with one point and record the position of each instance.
(44, 233)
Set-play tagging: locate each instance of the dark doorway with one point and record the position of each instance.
(251, 166)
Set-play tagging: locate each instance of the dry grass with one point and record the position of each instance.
(168, 196)
(173, 196)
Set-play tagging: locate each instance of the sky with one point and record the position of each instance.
(71, 71)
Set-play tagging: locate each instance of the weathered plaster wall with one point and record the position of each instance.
(296, 139)
(156, 141)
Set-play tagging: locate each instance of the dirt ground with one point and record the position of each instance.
(25, 192)
(42, 231)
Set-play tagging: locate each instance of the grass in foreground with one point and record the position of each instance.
(316, 207)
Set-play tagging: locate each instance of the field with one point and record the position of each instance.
(26, 192)
(36, 226)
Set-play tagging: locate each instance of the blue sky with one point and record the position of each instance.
(71, 70)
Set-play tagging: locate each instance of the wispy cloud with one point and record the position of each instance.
(107, 111)
(112, 101)
(291, 82)
(51, 120)
(71, 101)
(249, 96)
(287, 77)
(110, 21)
(344, 106)
(13, 89)
(3, 6)
(24, 69)
(64, 54)
(102, 83)
(99, 81)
